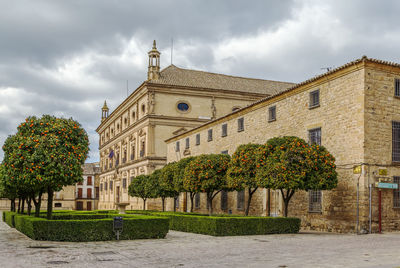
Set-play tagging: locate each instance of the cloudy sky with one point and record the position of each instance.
(66, 57)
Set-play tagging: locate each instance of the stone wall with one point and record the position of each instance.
(341, 119)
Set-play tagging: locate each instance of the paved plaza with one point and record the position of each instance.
(192, 250)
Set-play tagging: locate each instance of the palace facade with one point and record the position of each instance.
(354, 111)
(171, 101)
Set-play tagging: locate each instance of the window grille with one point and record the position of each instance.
(315, 200)
(224, 130)
(240, 200)
(395, 141)
(396, 193)
(224, 200)
(105, 186)
(272, 113)
(240, 124)
(197, 139)
(124, 183)
(187, 143)
(314, 136)
(101, 187)
(397, 87)
(210, 135)
(224, 152)
(314, 98)
(111, 186)
(197, 200)
(177, 202)
(131, 180)
(177, 146)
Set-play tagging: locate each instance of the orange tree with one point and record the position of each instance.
(290, 164)
(179, 175)
(242, 170)
(207, 173)
(167, 181)
(158, 190)
(8, 188)
(143, 187)
(47, 154)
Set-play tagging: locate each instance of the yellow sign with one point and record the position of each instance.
(382, 172)
(357, 170)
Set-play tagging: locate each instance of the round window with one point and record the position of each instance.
(182, 106)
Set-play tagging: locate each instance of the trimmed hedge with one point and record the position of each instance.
(8, 217)
(78, 230)
(228, 225)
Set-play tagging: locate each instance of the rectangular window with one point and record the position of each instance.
(314, 136)
(197, 139)
(197, 201)
(396, 193)
(210, 135)
(314, 99)
(105, 186)
(271, 113)
(111, 186)
(315, 200)
(224, 132)
(124, 183)
(177, 146)
(224, 152)
(79, 192)
(89, 180)
(240, 124)
(177, 202)
(395, 141)
(397, 87)
(224, 200)
(101, 187)
(187, 143)
(131, 180)
(89, 193)
(240, 200)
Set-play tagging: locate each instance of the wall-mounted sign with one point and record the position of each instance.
(357, 170)
(386, 185)
(382, 172)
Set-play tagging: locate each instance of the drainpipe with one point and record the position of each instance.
(358, 203)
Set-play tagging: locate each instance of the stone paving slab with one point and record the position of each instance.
(179, 249)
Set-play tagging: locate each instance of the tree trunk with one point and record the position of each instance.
(286, 199)
(191, 200)
(37, 204)
(250, 195)
(50, 194)
(163, 203)
(23, 206)
(209, 201)
(144, 203)
(19, 205)
(269, 202)
(13, 205)
(175, 201)
(29, 202)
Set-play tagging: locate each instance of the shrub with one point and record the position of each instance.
(79, 230)
(8, 217)
(227, 225)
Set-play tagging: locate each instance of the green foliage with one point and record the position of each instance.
(206, 173)
(290, 163)
(179, 173)
(228, 225)
(134, 227)
(294, 164)
(167, 178)
(8, 217)
(157, 188)
(141, 186)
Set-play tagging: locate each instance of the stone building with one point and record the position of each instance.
(354, 111)
(171, 101)
(87, 192)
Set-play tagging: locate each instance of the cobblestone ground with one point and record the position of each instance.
(191, 250)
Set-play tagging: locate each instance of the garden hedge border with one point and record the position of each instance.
(227, 225)
(88, 227)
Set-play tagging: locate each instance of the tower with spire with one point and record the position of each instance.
(154, 63)
(104, 111)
